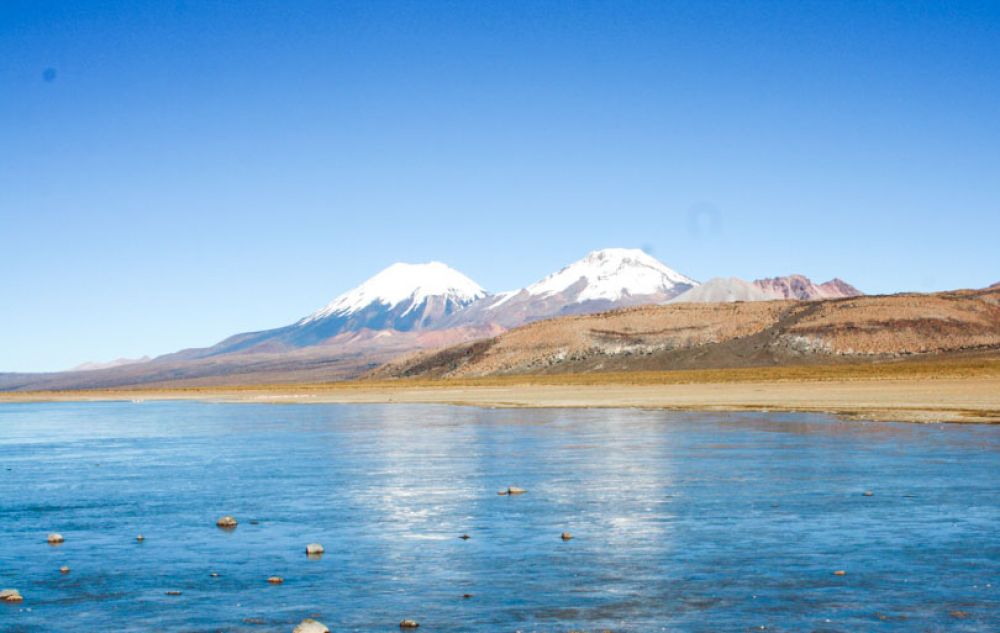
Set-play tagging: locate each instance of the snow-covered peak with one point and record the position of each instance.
(401, 283)
(612, 274)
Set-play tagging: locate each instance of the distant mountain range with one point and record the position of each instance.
(723, 290)
(411, 307)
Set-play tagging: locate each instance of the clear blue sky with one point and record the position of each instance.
(175, 172)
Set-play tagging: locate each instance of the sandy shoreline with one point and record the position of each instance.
(967, 399)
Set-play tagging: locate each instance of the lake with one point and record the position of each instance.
(680, 521)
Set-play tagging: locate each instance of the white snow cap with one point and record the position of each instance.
(613, 273)
(401, 282)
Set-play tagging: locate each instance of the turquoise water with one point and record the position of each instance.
(681, 522)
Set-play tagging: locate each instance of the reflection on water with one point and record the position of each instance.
(692, 522)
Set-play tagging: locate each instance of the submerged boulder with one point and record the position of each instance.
(10, 595)
(227, 522)
(310, 626)
(314, 549)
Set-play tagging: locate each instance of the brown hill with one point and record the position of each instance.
(726, 335)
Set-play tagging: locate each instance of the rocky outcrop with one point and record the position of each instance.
(802, 288)
(310, 626)
(227, 522)
(10, 595)
(314, 549)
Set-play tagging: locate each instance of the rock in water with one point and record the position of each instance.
(840, 572)
(566, 536)
(869, 493)
(55, 538)
(314, 549)
(408, 624)
(10, 595)
(310, 626)
(140, 538)
(227, 522)
(64, 569)
(275, 580)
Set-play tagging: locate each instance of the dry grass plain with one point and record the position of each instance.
(942, 390)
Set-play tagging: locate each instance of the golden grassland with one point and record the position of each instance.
(955, 389)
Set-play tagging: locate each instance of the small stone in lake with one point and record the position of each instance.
(840, 572)
(514, 490)
(566, 536)
(10, 595)
(226, 522)
(140, 538)
(311, 626)
(64, 569)
(55, 538)
(314, 549)
(869, 493)
(214, 574)
(275, 580)
(466, 595)
(465, 537)
(173, 593)
(408, 624)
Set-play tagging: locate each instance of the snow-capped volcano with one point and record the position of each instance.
(405, 288)
(401, 298)
(602, 280)
(612, 274)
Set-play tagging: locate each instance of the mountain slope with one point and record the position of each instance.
(724, 290)
(689, 335)
(402, 298)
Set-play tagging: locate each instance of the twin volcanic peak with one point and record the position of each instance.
(414, 298)
(433, 296)
(407, 297)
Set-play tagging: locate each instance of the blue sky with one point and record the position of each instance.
(175, 172)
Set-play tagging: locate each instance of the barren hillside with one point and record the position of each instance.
(727, 335)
